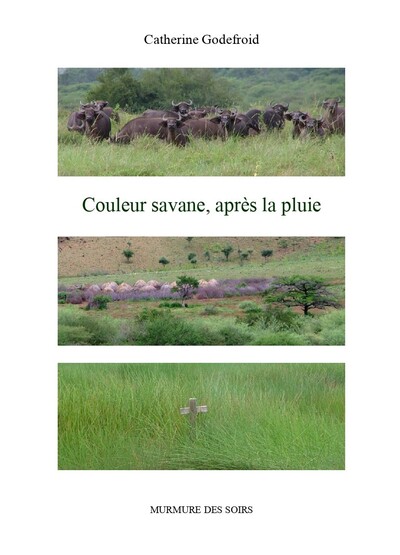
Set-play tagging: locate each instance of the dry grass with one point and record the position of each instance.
(79, 256)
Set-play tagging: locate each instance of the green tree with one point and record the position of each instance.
(266, 253)
(100, 302)
(227, 251)
(128, 253)
(118, 86)
(163, 261)
(201, 85)
(306, 292)
(186, 286)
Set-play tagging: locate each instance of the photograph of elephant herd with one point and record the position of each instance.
(231, 122)
(201, 416)
(201, 291)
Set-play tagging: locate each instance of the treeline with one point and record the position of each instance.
(137, 89)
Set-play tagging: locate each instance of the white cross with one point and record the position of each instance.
(193, 410)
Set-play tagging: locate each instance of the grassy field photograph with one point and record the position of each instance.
(287, 121)
(201, 291)
(248, 417)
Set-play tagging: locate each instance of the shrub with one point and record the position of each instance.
(73, 335)
(210, 310)
(328, 329)
(233, 335)
(273, 318)
(227, 251)
(100, 302)
(161, 328)
(266, 253)
(128, 253)
(249, 306)
(170, 304)
(252, 312)
(62, 297)
(79, 328)
(280, 338)
(280, 319)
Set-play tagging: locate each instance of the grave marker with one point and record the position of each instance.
(193, 410)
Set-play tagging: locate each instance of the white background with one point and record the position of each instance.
(50, 512)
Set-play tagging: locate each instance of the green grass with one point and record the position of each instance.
(263, 155)
(327, 262)
(261, 416)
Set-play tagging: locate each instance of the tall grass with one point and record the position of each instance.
(126, 416)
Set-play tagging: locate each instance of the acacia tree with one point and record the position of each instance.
(164, 261)
(227, 251)
(186, 286)
(306, 292)
(128, 253)
(266, 253)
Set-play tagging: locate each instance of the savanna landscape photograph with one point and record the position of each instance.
(201, 122)
(201, 291)
(201, 416)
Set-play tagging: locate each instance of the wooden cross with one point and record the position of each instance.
(193, 409)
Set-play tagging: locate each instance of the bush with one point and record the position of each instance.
(280, 338)
(252, 312)
(328, 329)
(79, 328)
(233, 335)
(280, 319)
(99, 301)
(273, 318)
(210, 310)
(62, 297)
(170, 304)
(161, 328)
(128, 253)
(73, 335)
(248, 305)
